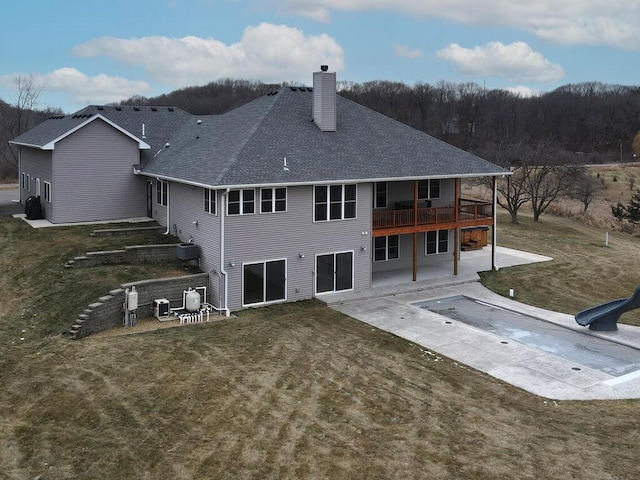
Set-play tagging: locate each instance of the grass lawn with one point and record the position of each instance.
(584, 272)
(287, 391)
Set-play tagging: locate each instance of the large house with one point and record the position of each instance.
(298, 193)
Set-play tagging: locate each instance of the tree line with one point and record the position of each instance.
(542, 139)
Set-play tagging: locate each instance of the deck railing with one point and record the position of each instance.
(468, 210)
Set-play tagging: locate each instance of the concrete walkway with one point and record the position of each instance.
(389, 307)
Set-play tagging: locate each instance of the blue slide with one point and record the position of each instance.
(605, 317)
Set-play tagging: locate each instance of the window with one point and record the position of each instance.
(273, 200)
(24, 181)
(37, 187)
(334, 202)
(28, 182)
(334, 272)
(386, 248)
(428, 189)
(380, 195)
(47, 191)
(264, 282)
(162, 192)
(437, 241)
(241, 202)
(210, 201)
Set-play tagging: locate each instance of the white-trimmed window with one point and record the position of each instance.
(386, 248)
(162, 192)
(210, 201)
(264, 282)
(24, 181)
(47, 191)
(428, 189)
(273, 199)
(241, 202)
(334, 202)
(380, 195)
(37, 187)
(436, 241)
(28, 182)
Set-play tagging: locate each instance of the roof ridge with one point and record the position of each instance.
(235, 157)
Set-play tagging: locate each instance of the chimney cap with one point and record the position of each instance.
(324, 68)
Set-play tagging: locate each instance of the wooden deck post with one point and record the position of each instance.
(456, 230)
(494, 235)
(415, 234)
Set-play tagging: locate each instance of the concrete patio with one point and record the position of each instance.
(388, 306)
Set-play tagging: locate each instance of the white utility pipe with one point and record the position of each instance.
(223, 212)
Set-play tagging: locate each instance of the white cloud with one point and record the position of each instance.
(266, 52)
(406, 52)
(516, 61)
(83, 89)
(570, 22)
(523, 91)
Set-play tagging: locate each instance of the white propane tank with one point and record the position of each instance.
(132, 299)
(192, 301)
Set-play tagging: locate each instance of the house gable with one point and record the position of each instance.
(51, 144)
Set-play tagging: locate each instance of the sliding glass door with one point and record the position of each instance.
(264, 282)
(334, 272)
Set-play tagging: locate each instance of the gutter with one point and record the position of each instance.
(320, 181)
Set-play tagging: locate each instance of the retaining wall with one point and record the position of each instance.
(108, 311)
(135, 254)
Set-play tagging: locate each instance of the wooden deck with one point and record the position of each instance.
(397, 222)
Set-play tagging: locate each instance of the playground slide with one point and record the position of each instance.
(604, 317)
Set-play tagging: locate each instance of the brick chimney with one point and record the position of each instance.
(324, 99)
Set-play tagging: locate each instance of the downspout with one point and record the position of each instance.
(494, 234)
(168, 205)
(223, 210)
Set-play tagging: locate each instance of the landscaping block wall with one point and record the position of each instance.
(108, 311)
(135, 254)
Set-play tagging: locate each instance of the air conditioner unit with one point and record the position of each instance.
(161, 308)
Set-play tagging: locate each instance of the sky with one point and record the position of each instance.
(81, 52)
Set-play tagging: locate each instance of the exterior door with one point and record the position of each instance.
(264, 282)
(334, 272)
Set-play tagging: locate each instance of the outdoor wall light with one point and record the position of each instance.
(364, 248)
(301, 255)
(232, 263)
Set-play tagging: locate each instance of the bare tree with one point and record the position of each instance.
(18, 118)
(584, 187)
(545, 178)
(512, 194)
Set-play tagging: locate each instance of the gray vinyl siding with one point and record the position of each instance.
(403, 191)
(37, 164)
(405, 259)
(186, 212)
(285, 235)
(93, 176)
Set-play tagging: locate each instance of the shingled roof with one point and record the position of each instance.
(159, 124)
(247, 146)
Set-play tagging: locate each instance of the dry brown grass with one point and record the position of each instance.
(294, 391)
